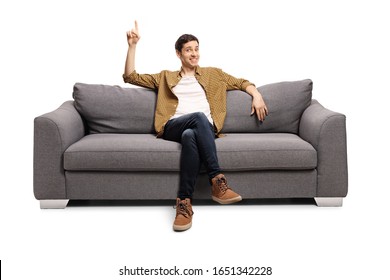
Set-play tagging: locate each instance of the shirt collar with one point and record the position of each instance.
(197, 71)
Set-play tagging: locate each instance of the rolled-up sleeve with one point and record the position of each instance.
(236, 83)
(143, 80)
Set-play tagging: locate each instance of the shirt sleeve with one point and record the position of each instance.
(235, 83)
(144, 80)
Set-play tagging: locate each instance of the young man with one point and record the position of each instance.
(191, 109)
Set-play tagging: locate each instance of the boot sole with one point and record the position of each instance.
(182, 228)
(227, 201)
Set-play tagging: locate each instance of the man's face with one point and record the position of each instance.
(189, 54)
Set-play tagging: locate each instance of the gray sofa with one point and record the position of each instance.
(102, 146)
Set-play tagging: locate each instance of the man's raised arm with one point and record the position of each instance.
(132, 39)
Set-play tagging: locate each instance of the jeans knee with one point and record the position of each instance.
(188, 135)
(200, 116)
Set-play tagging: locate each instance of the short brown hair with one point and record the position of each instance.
(183, 39)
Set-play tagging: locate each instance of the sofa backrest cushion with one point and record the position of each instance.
(113, 109)
(285, 101)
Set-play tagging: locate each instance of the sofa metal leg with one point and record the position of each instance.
(329, 201)
(53, 203)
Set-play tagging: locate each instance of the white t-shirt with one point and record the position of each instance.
(192, 98)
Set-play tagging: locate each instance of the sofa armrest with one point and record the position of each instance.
(325, 130)
(54, 132)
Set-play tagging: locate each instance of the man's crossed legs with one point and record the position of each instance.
(196, 135)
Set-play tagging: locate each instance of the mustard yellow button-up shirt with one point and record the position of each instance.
(214, 81)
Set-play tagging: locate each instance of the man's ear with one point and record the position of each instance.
(178, 54)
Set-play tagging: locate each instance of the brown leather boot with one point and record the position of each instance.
(221, 192)
(183, 220)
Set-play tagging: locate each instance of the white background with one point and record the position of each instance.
(47, 46)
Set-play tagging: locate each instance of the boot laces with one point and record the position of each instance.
(183, 209)
(222, 184)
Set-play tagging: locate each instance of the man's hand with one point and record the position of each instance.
(258, 104)
(132, 39)
(133, 35)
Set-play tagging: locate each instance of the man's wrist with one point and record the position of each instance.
(256, 95)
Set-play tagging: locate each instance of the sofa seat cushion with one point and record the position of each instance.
(265, 151)
(122, 152)
(145, 152)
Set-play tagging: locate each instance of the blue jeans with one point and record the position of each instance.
(196, 135)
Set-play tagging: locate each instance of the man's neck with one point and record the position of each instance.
(185, 71)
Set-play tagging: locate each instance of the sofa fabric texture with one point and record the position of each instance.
(237, 152)
(286, 102)
(112, 109)
(102, 145)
